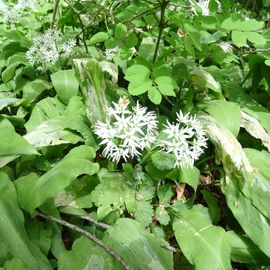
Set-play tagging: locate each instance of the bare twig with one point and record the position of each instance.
(99, 224)
(88, 235)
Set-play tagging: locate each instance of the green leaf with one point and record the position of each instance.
(247, 214)
(98, 37)
(212, 203)
(204, 245)
(223, 112)
(162, 215)
(120, 31)
(165, 193)
(9, 101)
(255, 38)
(144, 212)
(239, 38)
(190, 176)
(136, 89)
(235, 22)
(204, 79)
(65, 84)
(13, 62)
(85, 255)
(137, 73)
(166, 85)
(163, 161)
(12, 230)
(245, 251)
(154, 95)
(15, 263)
(34, 191)
(51, 133)
(31, 90)
(267, 62)
(91, 78)
(257, 184)
(140, 249)
(194, 34)
(12, 143)
(112, 192)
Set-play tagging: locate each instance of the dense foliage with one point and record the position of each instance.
(134, 134)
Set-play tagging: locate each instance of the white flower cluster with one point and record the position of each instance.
(126, 132)
(11, 14)
(47, 48)
(185, 139)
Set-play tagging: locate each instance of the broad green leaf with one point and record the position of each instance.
(12, 143)
(163, 161)
(85, 255)
(154, 95)
(239, 38)
(190, 176)
(90, 76)
(137, 73)
(140, 249)
(253, 222)
(228, 149)
(13, 62)
(9, 101)
(205, 79)
(204, 245)
(257, 184)
(15, 263)
(224, 112)
(31, 90)
(12, 230)
(212, 203)
(34, 191)
(18, 36)
(98, 37)
(47, 108)
(267, 62)
(255, 38)
(136, 89)
(255, 129)
(51, 133)
(245, 251)
(65, 84)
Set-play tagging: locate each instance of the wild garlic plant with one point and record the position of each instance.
(127, 133)
(11, 13)
(48, 47)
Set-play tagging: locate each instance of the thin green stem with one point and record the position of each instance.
(55, 9)
(161, 26)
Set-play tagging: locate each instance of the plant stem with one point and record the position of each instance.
(88, 235)
(56, 5)
(161, 26)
